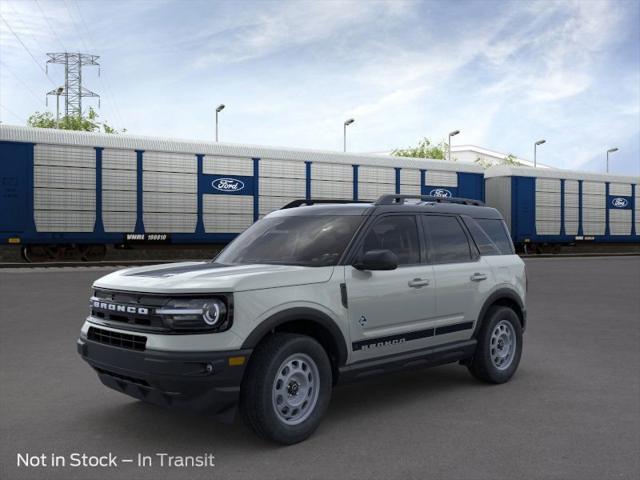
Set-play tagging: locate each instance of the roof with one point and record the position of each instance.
(135, 142)
(365, 208)
(493, 153)
(509, 171)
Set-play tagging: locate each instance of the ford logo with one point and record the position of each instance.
(619, 202)
(227, 184)
(440, 192)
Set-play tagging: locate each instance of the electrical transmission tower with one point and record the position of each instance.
(73, 91)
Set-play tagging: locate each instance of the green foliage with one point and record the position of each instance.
(88, 123)
(425, 149)
(510, 159)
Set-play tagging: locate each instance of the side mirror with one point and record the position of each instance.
(377, 260)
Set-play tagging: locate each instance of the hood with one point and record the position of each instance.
(207, 277)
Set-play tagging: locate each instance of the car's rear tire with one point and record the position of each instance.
(499, 346)
(287, 388)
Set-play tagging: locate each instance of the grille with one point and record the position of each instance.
(125, 320)
(117, 339)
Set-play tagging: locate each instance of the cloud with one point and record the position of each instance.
(291, 72)
(284, 25)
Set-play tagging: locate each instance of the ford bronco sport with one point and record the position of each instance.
(313, 294)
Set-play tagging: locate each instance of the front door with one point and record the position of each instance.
(390, 311)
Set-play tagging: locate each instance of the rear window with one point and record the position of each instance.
(446, 240)
(491, 236)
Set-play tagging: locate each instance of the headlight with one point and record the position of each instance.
(196, 314)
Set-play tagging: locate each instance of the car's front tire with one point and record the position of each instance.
(287, 388)
(499, 346)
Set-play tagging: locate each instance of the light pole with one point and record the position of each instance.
(218, 110)
(611, 150)
(535, 152)
(451, 134)
(344, 136)
(59, 91)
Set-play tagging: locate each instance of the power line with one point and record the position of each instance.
(12, 113)
(27, 49)
(24, 27)
(75, 27)
(32, 92)
(105, 82)
(44, 15)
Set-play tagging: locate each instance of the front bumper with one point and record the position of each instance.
(194, 381)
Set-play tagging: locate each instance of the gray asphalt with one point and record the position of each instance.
(571, 412)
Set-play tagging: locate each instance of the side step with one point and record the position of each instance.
(427, 357)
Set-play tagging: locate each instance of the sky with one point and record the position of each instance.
(290, 72)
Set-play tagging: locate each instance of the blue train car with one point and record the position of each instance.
(64, 190)
(556, 207)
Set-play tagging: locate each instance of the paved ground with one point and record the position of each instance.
(572, 411)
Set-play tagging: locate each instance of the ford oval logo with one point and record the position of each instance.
(440, 192)
(619, 202)
(227, 184)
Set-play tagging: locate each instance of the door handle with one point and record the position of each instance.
(478, 277)
(418, 282)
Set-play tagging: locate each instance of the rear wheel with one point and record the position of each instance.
(499, 346)
(287, 388)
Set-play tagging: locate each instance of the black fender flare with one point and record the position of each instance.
(501, 294)
(300, 313)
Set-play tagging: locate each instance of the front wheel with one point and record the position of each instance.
(287, 388)
(499, 346)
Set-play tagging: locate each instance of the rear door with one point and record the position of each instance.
(390, 311)
(462, 277)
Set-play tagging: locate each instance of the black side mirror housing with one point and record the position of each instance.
(377, 260)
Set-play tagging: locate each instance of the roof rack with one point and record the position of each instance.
(393, 199)
(302, 201)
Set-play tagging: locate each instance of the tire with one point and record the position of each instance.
(286, 389)
(499, 346)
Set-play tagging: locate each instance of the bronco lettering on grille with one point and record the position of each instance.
(114, 307)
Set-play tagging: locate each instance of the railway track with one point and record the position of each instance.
(102, 263)
(135, 263)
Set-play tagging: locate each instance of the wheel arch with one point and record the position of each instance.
(503, 297)
(306, 321)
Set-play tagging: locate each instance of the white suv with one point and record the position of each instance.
(314, 294)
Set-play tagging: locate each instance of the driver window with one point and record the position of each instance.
(397, 233)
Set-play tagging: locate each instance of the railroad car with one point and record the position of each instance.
(63, 190)
(547, 208)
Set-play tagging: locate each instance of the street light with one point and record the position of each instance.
(451, 134)
(611, 150)
(218, 110)
(59, 91)
(344, 137)
(535, 147)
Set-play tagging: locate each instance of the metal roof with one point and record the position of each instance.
(509, 171)
(473, 211)
(135, 142)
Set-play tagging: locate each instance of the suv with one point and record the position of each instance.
(313, 294)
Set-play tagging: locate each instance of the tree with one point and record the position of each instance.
(425, 149)
(510, 159)
(88, 123)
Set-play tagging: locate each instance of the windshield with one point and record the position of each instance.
(313, 241)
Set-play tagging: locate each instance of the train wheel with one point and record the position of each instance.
(92, 253)
(39, 253)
